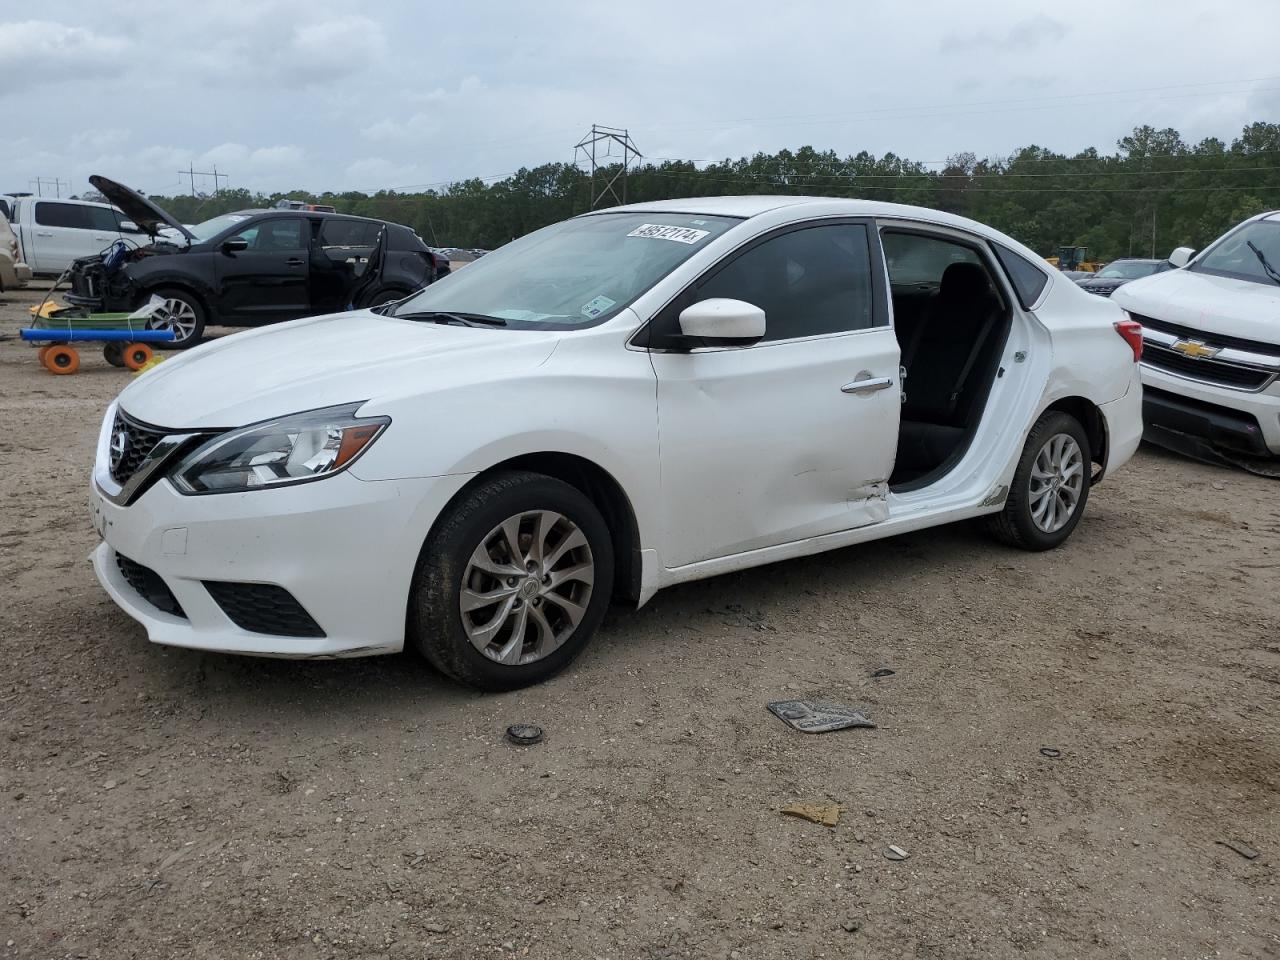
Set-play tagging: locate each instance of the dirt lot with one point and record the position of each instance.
(165, 803)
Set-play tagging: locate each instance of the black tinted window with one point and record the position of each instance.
(102, 218)
(349, 233)
(1028, 279)
(50, 214)
(285, 233)
(808, 282)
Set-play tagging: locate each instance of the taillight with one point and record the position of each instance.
(1131, 332)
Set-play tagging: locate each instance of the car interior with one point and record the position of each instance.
(952, 322)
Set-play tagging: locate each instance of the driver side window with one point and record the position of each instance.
(275, 236)
(809, 282)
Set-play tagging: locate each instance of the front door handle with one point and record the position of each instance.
(868, 385)
(294, 262)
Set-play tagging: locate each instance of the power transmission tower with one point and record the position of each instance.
(39, 183)
(597, 146)
(191, 173)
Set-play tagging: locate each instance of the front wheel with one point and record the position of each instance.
(1050, 486)
(184, 315)
(512, 582)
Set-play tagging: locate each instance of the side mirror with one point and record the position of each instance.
(128, 226)
(235, 245)
(1181, 256)
(723, 322)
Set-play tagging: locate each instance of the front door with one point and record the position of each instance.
(795, 436)
(269, 280)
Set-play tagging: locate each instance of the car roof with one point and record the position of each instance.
(753, 206)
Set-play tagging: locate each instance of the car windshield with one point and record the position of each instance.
(211, 228)
(571, 274)
(1126, 270)
(1233, 257)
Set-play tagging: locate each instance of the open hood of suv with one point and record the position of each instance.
(137, 208)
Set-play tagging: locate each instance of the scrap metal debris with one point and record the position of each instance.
(827, 814)
(524, 734)
(809, 717)
(1051, 752)
(1243, 849)
(893, 852)
(882, 672)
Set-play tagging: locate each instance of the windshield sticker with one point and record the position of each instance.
(659, 231)
(596, 306)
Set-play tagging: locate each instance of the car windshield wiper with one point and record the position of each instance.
(446, 316)
(1262, 259)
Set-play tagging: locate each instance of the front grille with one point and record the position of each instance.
(1213, 339)
(131, 443)
(263, 608)
(1209, 370)
(149, 585)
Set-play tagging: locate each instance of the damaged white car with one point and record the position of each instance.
(620, 402)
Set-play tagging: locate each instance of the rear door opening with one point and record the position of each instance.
(952, 320)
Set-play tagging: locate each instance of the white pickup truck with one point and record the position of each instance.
(54, 232)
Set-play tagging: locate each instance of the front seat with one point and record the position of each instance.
(939, 359)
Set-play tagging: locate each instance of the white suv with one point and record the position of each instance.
(624, 401)
(1211, 361)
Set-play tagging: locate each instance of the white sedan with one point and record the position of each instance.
(627, 400)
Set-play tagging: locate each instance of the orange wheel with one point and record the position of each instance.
(44, 352)
(62, 359)
(137, 355)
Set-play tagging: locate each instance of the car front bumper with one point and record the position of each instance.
(344, 548)
(1199, 418)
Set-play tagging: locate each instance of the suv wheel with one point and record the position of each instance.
(187, 316)
(1050, 486)
(512, 583)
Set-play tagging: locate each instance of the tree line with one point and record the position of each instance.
(1153, 193)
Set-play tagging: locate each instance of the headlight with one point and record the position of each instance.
(293, 449)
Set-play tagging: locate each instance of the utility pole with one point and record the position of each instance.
(1153, 229)
(589, 146)
(191, 173)
(39, 183)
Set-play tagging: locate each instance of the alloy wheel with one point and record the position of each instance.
(1057, 480)
(526, 587)
(182, 319)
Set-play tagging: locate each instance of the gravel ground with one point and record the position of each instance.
(163, 803)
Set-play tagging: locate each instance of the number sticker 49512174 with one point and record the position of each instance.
(660, 231)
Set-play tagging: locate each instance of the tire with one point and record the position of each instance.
(136, 356)
(385, 296)
(190, 316)
(113, 353)
(1032, 517)
(550, 637)
(62, 360)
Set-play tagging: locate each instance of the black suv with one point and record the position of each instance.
(249, 268)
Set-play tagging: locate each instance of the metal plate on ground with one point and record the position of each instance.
(809, 717)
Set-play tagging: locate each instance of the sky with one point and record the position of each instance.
(322, 95)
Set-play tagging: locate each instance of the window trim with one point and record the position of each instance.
(881, 313)
(996, 247)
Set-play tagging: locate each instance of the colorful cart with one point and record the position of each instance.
(126, 337)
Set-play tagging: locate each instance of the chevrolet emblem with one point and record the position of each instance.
(1195, 349)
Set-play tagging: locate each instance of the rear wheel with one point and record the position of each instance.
(512, 583)
(1050, 486)
(113, 353)
(383, 297)
(136, 355)
(185, 316)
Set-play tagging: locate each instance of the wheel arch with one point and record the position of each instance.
(602, 489)
(1087, 413)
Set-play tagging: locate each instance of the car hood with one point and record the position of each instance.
(137, 208)
(321, 362)
(1206, 302)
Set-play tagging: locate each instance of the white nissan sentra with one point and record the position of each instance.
(620, 402)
